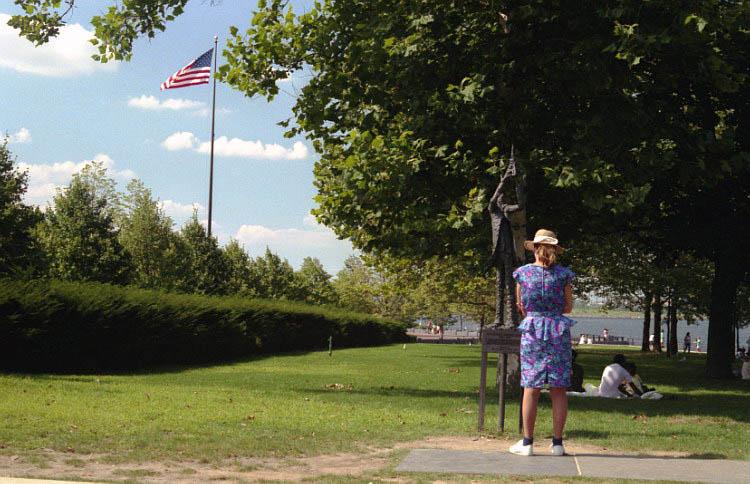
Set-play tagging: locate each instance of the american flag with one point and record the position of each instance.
(196, 72)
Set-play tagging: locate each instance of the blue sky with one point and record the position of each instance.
(62, 109)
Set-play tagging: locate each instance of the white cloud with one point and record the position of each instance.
(311, 221)
(182, 140)
(180, 210)
(23, 135)
(214, 225)
(151, 103)
(45, 179)
(67, 55)
(224, 146)
(295, 244)
(236, 147)
(205, 112)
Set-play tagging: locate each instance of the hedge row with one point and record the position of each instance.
(59, 326)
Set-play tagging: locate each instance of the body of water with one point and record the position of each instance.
(632, 328)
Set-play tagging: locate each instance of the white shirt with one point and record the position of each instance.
(746, 370)
(613, 376)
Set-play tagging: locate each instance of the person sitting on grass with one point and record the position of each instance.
(576, 376)
(613, 377)
(636, 388)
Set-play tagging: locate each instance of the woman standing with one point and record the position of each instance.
(686, 343)
(544, 294)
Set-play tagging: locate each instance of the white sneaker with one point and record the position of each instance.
(558, 450)
(519, 449)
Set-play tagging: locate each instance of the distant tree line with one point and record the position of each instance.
(92, 232)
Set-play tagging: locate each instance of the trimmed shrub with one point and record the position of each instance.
(63, 326)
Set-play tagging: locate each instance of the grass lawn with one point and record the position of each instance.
(305, 404)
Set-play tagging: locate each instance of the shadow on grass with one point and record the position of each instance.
(401, 392)
(651, 457)
(586, 434)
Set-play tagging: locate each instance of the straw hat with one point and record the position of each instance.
(543, 236)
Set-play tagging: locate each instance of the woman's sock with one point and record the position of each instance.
(556, 441)
(527, 441)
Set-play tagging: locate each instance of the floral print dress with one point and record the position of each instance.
(545, 344)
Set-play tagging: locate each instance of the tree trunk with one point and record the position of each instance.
(720, 348)
(673, 347)
(657, 307)
(646, 320)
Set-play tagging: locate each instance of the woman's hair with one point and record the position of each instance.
(547, 254)
(619, 359)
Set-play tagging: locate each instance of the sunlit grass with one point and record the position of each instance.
(302, 404)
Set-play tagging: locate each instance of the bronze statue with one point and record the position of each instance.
(508, 234)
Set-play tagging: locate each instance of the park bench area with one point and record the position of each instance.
(597, 339)
(452, 336)
(448, 336)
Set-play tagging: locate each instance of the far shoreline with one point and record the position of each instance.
(605, 316)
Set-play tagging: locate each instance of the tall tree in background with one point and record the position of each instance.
(79, 238)
(146, 233)
(238, 267)
(18, 251)
(273, 277)
(206, 270)
(315, 283)
(356, 286)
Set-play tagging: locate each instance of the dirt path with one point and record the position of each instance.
(50, 464)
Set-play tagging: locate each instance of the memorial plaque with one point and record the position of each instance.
(501, 341)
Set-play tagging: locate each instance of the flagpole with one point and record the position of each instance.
(213, 123)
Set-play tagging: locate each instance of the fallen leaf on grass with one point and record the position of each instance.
(454, 370)
(443, 414)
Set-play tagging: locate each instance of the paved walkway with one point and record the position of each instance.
(587, 465)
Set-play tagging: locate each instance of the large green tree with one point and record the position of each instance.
(146, 233)
(207, 270)
(18, 254)
(314, 282)
(273, 277)
(238, 265)
(614, 107)
(79, 237)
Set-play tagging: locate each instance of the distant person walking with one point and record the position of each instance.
(698, 344)
(686, 342)
(543, 295)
